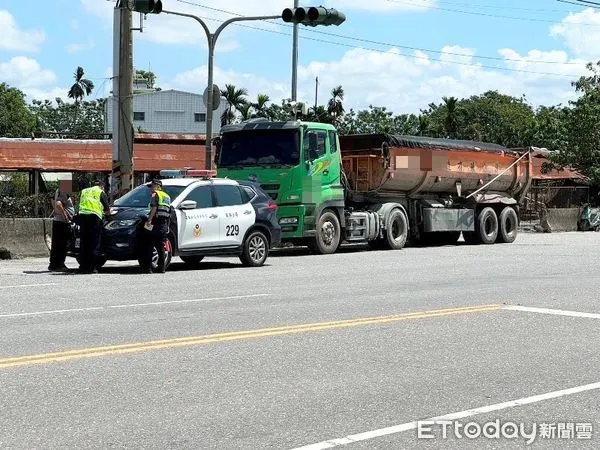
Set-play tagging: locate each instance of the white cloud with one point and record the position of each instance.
(406, 83)
(581, 32)
(23, 72)
(14, 39)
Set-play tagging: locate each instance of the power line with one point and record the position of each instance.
(368, 41)
(482, 66)
(482, 14)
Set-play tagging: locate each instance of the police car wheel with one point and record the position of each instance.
(256, 249)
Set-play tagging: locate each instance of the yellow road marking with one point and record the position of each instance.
(119, 349)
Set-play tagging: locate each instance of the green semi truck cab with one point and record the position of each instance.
(298, 164)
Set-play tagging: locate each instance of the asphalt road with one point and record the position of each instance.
(347, 350)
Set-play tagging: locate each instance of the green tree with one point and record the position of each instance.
(82, 86)
(582, 147)
(86, 118)
(15, 118)
(335, 106)
(261, 105)
(450, 118)
(235, 98)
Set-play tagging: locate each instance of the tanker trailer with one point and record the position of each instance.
(441, 187)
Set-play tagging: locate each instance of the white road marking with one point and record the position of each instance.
(556, 312)
(133, 305)
(453, 416)
(27, 285)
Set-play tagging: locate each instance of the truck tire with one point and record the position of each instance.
(329, 234)
(396, 231)
(487, 226)
(508, 225)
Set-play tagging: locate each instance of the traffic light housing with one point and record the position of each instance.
(148, 6)
(313, 16)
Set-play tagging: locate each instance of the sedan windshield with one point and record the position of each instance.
(140, 196)
(260, 148)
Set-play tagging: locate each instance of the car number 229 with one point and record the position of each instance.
(232, 230)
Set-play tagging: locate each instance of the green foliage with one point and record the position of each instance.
(81, 87)
(85, 118)
(15, 118)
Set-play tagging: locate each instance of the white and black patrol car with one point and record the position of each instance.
(209, 216)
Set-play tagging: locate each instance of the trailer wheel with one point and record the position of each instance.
(396, 231)
(329, 233)
(508, 225)
(487, 226)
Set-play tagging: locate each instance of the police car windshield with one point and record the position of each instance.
(140, 196)
(260, 148)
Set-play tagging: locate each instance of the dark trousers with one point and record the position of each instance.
(155, 239)
(91, 233)
(60, 236)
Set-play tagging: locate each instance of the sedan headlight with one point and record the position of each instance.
(120, 224)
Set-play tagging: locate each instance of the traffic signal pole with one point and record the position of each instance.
(295, 58)
(212, 41)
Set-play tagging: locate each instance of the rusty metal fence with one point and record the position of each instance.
(541, 198)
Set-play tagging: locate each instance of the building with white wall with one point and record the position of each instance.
(169, 111)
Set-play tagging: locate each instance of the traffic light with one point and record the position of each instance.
(313, 16)
(148, 6)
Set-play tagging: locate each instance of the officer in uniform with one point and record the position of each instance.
(93, 207)
(157, 227)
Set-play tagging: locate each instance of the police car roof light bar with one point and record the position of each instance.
(202, 173)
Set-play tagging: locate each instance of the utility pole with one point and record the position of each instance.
(122, 136)
(316, 92)
(295, 57)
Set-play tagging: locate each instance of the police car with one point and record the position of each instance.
(209, 217)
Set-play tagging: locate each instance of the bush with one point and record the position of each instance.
(12, 207)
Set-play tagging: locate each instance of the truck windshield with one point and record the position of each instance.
(140, 196)
(260, 148)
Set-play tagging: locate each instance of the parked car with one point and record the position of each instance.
(209, 216)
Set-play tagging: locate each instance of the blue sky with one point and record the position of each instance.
(402, 54)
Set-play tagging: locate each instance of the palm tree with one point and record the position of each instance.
(335, 106)
(235, 98)
(260, 107)
(246, 111)
(423, 124)
(81, 87)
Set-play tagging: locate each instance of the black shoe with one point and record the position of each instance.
(161, 270)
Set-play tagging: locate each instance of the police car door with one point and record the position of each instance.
(198, 227)
(237, 214)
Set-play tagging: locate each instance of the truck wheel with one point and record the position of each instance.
(396, 231)
(487, 226)
(256, 249)
(508, 225)
(329, 233)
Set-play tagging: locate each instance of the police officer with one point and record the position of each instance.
(157, 227)
(93, 207)
(63, 214)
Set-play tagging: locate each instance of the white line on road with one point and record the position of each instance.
(27, 285)
(556, 312)
(133, 305)
(453, 416)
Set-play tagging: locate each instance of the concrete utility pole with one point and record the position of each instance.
(122, 136)
(212, 41)
(295, 58)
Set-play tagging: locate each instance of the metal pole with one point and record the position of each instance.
(212, 41)
(295, 58)
(209, 109)
(316, 92)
